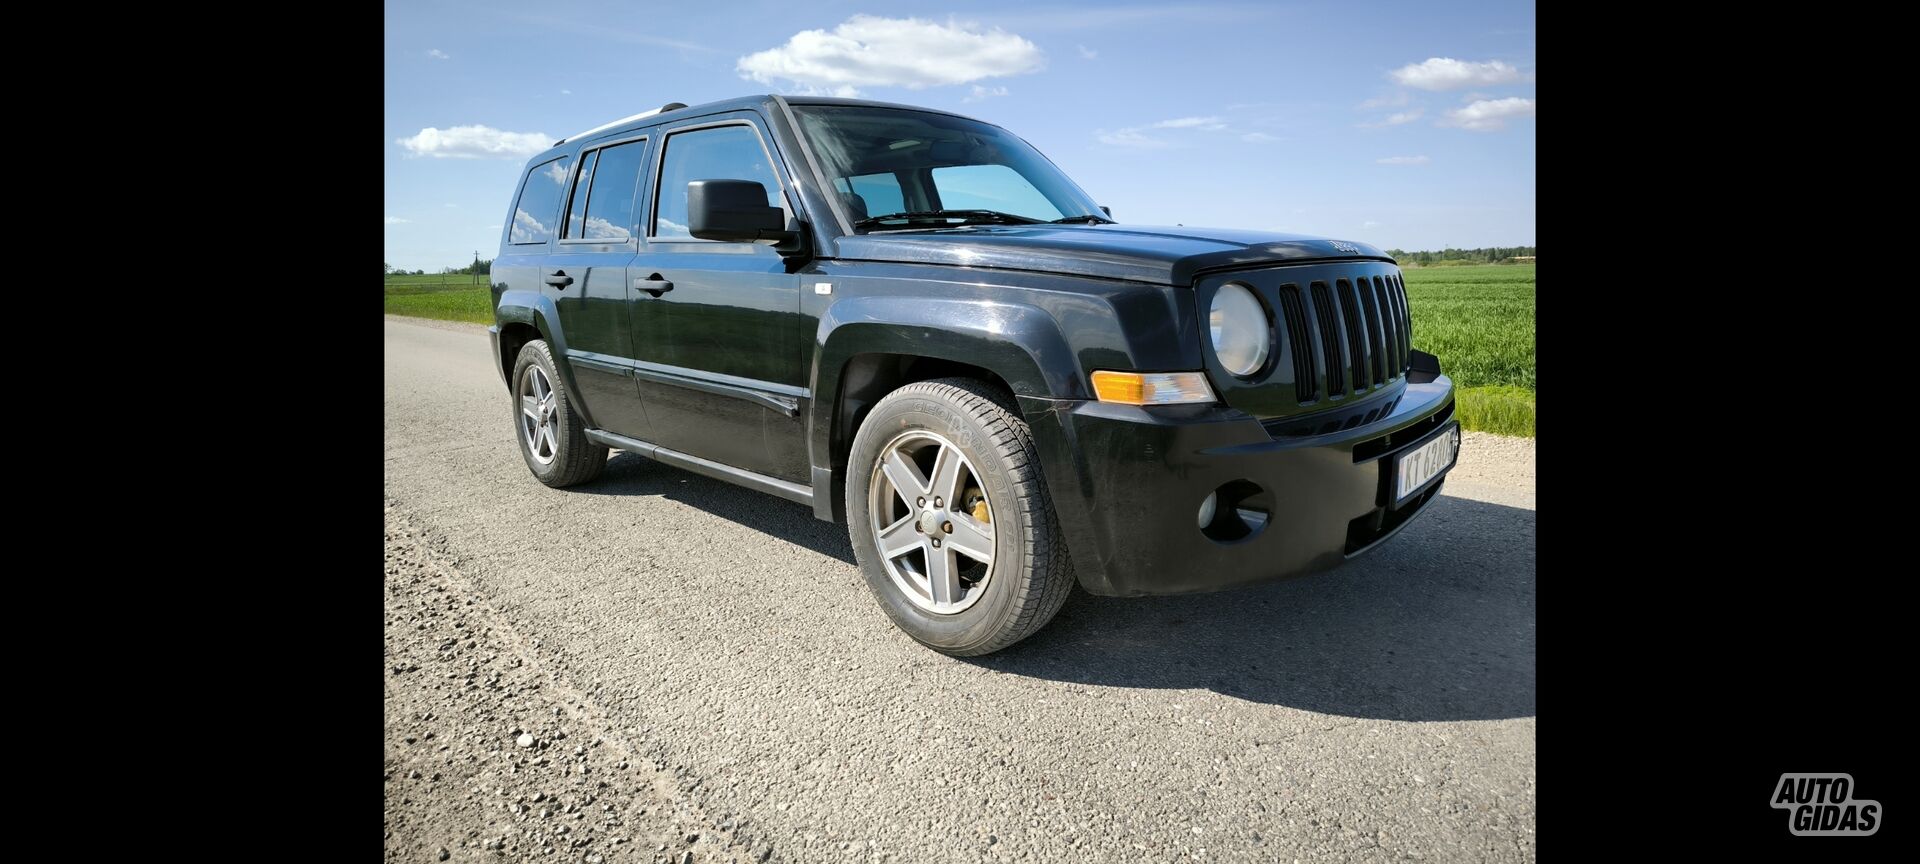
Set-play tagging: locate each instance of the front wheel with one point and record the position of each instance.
(950, 519)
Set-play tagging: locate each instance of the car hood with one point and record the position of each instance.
(1161, 255)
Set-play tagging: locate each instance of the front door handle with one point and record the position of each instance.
(560, 279)
(654, 285)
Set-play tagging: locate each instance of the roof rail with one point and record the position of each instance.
(670, 106)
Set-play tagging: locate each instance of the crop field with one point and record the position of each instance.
(448, 298)
(1477, 319)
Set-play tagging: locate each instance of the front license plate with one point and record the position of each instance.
(1415, 468)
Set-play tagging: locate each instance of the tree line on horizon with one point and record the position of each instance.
(1489, 255)
(480, 267)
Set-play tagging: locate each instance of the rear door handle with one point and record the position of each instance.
(560, 279)
(654, 285)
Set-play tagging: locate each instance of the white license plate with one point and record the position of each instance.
(1425, 462)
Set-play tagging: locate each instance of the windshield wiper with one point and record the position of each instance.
(1089, 218)
(970, 216)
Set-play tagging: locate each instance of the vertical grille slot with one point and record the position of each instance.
(1306, 383)
(1376, 326)
(1330, 350)
(1356, 333)
(1387, 356)
(1406, 323)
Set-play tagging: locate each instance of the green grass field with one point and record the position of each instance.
(448, 298)
(1477, 319)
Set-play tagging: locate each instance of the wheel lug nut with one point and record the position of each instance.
(938, 503)
(917, 529)
(936, 542)
(947, 527)
(920, 502)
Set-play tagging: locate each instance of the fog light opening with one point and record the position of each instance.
(1235, 512)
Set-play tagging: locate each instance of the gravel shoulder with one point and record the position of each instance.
(490, 757)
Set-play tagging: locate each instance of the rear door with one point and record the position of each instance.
(716, 326)
(586, 276)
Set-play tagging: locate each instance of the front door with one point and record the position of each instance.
(587, 277)
(716, 326)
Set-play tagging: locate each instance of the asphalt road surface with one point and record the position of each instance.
(1383, 711)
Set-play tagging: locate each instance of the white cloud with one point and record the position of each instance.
(438, 54)
(870, 51)
(565, 92)
(1087, 53)
(1403, 117)
(1489, 115)
(1369, 224)
(1404, 160)
(395, 220)
(1446, 73)
(981, 94)
(1130, 138)
(475, 142)
(1211, 124)
(451, 206)
(1257, 138)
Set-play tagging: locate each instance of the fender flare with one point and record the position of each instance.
(538, 310)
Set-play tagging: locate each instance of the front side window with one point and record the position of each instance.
(538, 212)
(718, 153)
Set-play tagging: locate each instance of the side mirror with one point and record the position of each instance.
(1107, 210)
(737, 211)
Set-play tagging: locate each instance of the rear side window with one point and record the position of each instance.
(610, 211)
(539, 208)
(577, 211)
(719, 153)
(990, 187)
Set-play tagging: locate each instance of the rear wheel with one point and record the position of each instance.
(950, 519)
(553, 437)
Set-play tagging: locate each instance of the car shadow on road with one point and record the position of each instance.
(1437, 624)
(631, 474)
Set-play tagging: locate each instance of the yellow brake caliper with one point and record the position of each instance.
(977, 505)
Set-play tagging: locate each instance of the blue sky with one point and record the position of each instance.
(1406, 125)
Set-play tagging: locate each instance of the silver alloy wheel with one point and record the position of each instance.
(539, 415)
(932, 546)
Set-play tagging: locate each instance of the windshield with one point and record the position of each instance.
(927, 170)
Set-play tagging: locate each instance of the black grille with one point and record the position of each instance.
(1305, 383)
(1360, 327)
(1330, 348)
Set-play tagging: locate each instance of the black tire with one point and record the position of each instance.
(1032, 575)
(575, 459)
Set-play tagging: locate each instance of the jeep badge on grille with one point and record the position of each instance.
(1345, 246)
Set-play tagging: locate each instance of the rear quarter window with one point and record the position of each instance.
(538, 210)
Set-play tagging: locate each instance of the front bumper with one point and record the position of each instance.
(1127, 483)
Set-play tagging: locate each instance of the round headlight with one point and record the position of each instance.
(1240, 332)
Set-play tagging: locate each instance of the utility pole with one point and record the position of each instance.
(476, 267)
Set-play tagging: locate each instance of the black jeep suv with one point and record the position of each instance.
(914, 322)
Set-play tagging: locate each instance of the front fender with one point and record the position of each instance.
(1020, 343)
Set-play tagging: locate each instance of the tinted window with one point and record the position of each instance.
(534, 217)
(610, 206)
(880, 192)
(720, 153)
(991, 187)
(577, 211)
